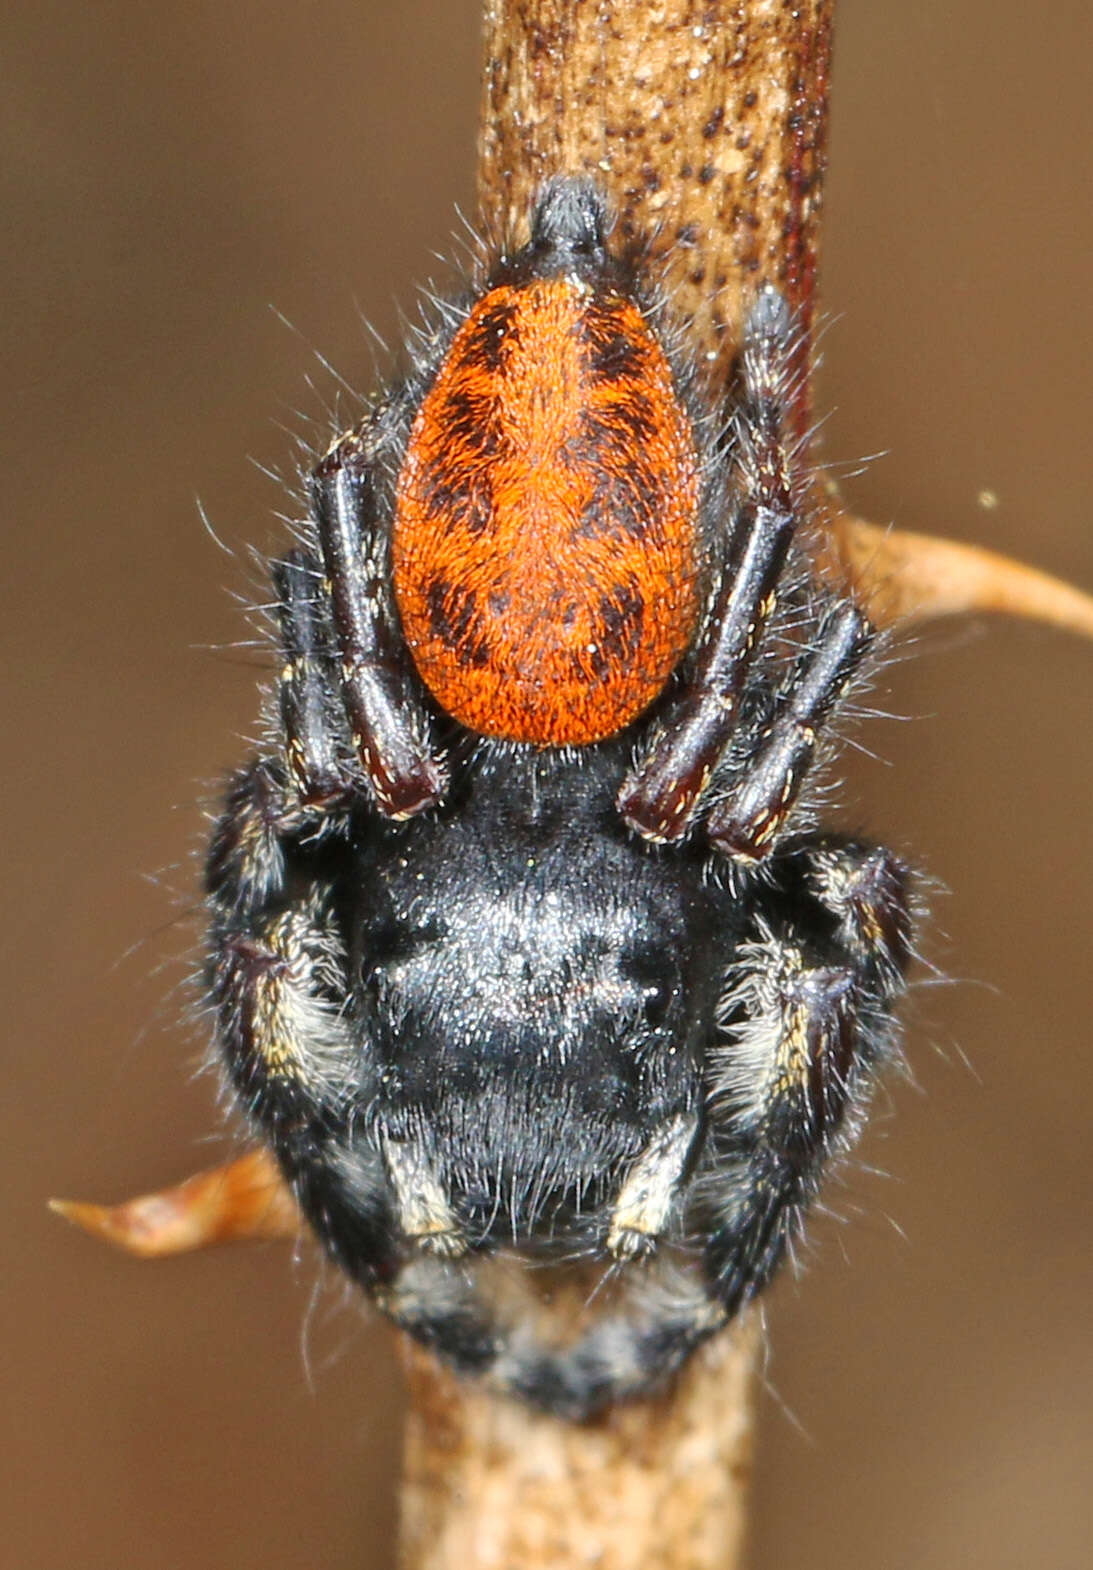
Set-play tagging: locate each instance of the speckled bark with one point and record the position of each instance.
(704, 119)
(660, 1485)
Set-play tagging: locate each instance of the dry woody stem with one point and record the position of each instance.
(492, 1485)
(705, 124)
(245, 1199)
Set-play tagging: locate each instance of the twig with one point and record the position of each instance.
(245, 1199)
(705, 123)
(657, 1485)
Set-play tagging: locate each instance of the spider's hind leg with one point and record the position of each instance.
(314, 760)
(748, 822)
(388, 722)
(662, 792)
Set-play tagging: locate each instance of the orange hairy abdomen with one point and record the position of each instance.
(545, 545)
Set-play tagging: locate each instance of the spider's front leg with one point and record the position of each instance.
(390, 728)
(808, 1017)
(278, 981)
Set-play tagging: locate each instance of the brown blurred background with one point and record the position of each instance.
(172, 171)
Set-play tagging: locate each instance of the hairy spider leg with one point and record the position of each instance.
(390, 727)
(660, 795)
(747, 823)
(310, 730)
(278, 985)
(808, 1016)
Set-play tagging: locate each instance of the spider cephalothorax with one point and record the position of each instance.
(521, 939)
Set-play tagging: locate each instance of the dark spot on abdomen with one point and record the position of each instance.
(492, 335)
(454, 621)
(620, 624)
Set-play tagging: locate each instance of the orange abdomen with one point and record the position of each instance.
(545, 547)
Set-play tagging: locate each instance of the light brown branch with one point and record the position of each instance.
(906, 577)
(245, 1199)
(705, 123)
(660, 1485)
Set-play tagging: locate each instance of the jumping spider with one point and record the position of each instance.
(523, 936)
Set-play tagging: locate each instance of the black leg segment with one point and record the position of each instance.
(387, 719)
(808, 1019)
(660, 796)
(747, 824)
(310, 729)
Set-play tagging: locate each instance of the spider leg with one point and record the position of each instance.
(746, 825)
(310, 730)
(387, 719)
(659, 796)
(808, 1012)
(278, 982)
(245, 871)
(278, 967)
(425, 1216)
(645, 1199)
